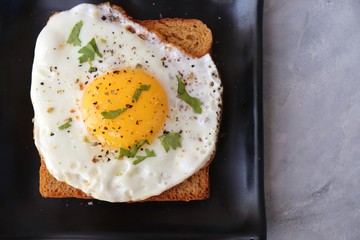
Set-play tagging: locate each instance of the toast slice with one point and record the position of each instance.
(194, 38)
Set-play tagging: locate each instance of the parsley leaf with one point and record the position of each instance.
(149, 153)
(133, 150)
(113, 113)
(170, 140)
(88, 51)
(74, 35)
(195, 103)
(92, 69)
(66, 125)
(139, 90)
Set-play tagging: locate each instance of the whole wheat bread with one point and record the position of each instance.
(193, 37)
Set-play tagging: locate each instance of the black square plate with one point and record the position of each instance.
(236, 208)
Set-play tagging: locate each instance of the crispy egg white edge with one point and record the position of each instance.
(100, 189)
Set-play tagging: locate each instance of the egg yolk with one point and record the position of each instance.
(124, 107)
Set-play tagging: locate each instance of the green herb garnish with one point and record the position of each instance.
(74, 35)
(66, 125)
(133, 150)
(88, 51)
(170, 140)
(139, 90)
(113, 113)
(92, 69)
(183, 95)
(149, 153)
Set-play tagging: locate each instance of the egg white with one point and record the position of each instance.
(56, 95)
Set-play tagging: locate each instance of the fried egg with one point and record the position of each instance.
(119, 114)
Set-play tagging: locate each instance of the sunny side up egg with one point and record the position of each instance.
(119, 114)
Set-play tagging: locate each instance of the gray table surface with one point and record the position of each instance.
(312, 118)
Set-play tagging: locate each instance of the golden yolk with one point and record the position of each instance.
(114, 116)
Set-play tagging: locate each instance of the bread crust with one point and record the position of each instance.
(192, 37)
(196, 187)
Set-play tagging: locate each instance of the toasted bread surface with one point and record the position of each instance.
(190, 35)
(195, 187)
(193, 37)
